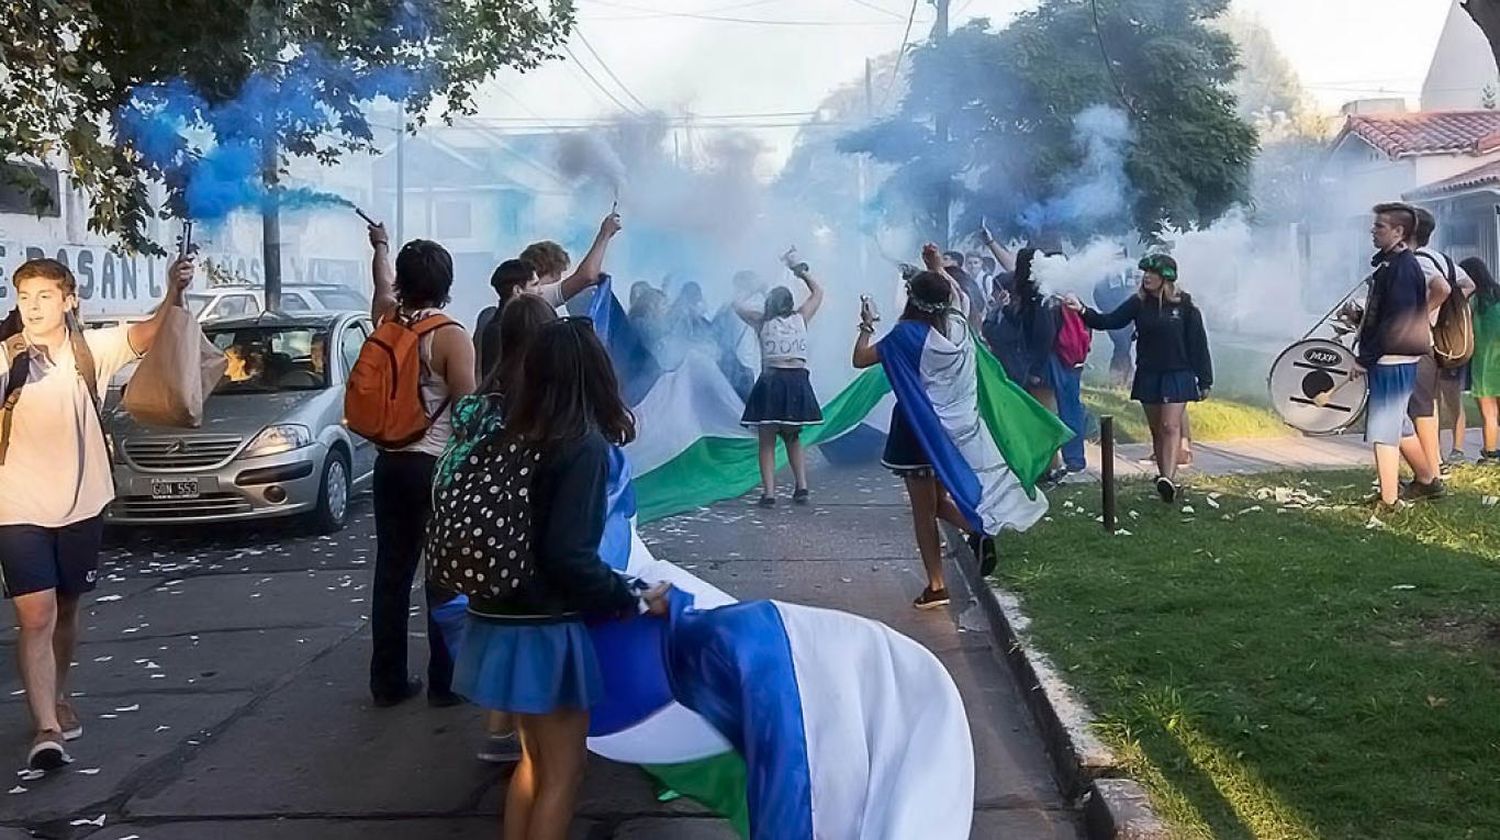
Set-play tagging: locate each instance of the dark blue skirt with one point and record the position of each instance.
(782, 397)
(904, 454)
(1177, 386)
(529, 669)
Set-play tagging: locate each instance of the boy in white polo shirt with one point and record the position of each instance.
(55, 477)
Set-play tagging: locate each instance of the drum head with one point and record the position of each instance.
(1313, 389)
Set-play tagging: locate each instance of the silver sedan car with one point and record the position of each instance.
(273, 441)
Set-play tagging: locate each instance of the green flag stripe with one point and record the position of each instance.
(716, 782)
(713, 469)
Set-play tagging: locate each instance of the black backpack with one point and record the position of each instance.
(479, 535)
(1453, 335)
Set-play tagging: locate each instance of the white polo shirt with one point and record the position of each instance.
(57, 471)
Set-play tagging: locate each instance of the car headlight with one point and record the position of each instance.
(274, 440)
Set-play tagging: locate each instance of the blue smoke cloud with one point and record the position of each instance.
(214, 151)
(1099, 189)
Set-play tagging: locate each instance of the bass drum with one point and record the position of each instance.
(1314, 389)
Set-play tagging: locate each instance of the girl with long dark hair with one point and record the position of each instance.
(933, 300)
(1173, 366)
(1484, 368)
(527, 651)
(782, 401)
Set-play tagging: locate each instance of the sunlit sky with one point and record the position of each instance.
(781, 57)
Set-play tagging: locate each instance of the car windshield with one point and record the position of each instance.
(341, 299)
(197, 303)
(272, 359)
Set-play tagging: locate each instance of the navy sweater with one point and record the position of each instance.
(1395, 320)
(1170, 337)
(568, 510)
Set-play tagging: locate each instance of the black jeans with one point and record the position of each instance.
(403, 502)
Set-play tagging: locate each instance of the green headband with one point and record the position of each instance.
(1156, 264)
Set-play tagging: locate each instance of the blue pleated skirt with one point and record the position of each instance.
(529, 669)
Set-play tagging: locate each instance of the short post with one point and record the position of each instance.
(1107, 468)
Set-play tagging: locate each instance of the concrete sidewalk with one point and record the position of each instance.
(1239, 457)
(222, 681)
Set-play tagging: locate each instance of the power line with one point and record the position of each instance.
(579, 66)
(900, 54)
(595, 53)
(883, 10)
(716, 10)
(722, 19)
(1108, 65)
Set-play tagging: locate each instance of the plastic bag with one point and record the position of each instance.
(179, 371)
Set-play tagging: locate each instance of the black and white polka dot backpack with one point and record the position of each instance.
(479, 535)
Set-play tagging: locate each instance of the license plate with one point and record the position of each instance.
(174, 488)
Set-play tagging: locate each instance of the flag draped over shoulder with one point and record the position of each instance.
(988, 441)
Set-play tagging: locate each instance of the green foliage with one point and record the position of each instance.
(1271, 663)
(67, 67)
(1011, 97)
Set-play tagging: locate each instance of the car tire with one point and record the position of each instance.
(333, 495)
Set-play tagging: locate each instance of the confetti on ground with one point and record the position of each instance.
(105, 599)
(96, 821)
(92, 771)
(1403, 586)
(132, 708)
(17, 789)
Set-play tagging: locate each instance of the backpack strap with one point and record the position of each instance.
(431, 323)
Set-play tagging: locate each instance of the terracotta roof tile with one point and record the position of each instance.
(1427, 133)
(1480, 176)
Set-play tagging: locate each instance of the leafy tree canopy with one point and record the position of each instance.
(1012, 97)
(73, 72)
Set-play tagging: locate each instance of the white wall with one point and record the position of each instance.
(1462, 66)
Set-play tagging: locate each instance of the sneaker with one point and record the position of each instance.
(67, 718)
(801, 497)
(1489, 459)
(1417, 491)
(767, 501)
(986, 552)
(412, 688)
(1456, 457)
(1166, 489)
(443, 699)
(47, 752)
(931, 598)
(500, 749)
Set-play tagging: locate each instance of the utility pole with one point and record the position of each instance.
(944, 198)
(400, 175)
(861, 175)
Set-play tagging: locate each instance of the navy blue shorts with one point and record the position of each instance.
(35, 559)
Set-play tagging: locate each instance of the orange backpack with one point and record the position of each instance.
(383, 400)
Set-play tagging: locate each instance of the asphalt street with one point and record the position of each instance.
(222, 686)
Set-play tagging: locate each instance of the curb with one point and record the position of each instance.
(1115, 807)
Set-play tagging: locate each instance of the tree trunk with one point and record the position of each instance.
(270, 228)
(1486, 13)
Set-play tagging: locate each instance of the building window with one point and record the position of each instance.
(452, 220)
(14, 198)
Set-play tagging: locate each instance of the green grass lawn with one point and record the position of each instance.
(1284, 669)
(1215, 419)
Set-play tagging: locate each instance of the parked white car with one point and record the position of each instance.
(222, 302)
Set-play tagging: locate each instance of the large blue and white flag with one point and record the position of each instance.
(968, 416)
(849, 730)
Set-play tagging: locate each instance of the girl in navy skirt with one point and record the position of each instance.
(1173, 366)
(782, 401)
(527, 652)
(934, 299)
